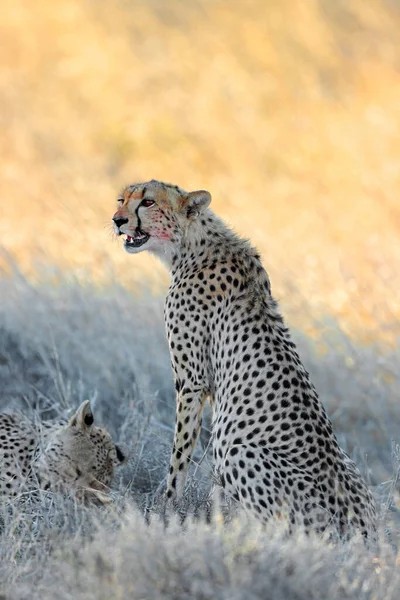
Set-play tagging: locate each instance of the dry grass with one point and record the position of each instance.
(287, 111)
(59, 346)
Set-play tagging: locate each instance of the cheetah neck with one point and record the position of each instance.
(165, 253)
(207, 242)
(206, 237)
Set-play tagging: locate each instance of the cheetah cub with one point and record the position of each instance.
(75, 456)
(274, 447)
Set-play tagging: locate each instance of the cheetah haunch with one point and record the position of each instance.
(77, 456)
(274, 447)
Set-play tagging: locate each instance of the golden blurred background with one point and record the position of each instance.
(287, 111)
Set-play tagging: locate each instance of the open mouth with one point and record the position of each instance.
(137, 240)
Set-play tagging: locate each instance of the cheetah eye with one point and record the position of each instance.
(147, 203)
(120, 201)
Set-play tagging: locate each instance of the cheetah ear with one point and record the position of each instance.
(83, 418)
(122, 452)
(196, 202)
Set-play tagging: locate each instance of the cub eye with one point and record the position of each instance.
(147, 203)
(120, 200)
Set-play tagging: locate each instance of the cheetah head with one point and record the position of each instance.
(154, 215)
(81, 457)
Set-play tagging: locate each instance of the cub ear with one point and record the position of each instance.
(196, 202)
(83, 418)
(122, 451)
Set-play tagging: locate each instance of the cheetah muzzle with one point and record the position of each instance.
(139, 239)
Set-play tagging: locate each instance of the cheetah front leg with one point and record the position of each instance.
(190, 405)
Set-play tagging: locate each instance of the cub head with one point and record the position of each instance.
(154, 215)
(81, 457)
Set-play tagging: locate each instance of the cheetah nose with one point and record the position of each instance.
(119, 221)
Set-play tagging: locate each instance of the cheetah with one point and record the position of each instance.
(274, 448)
(75, 456)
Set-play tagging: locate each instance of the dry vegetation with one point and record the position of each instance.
(288, 112)
(58, 346)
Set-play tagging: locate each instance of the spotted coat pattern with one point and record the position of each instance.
(274, 448)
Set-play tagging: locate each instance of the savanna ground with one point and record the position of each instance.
(288, 113)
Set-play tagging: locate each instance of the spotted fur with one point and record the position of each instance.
(76, 456)
(274, 447)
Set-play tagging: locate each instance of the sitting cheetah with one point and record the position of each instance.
(273, 444)
(75, 456)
